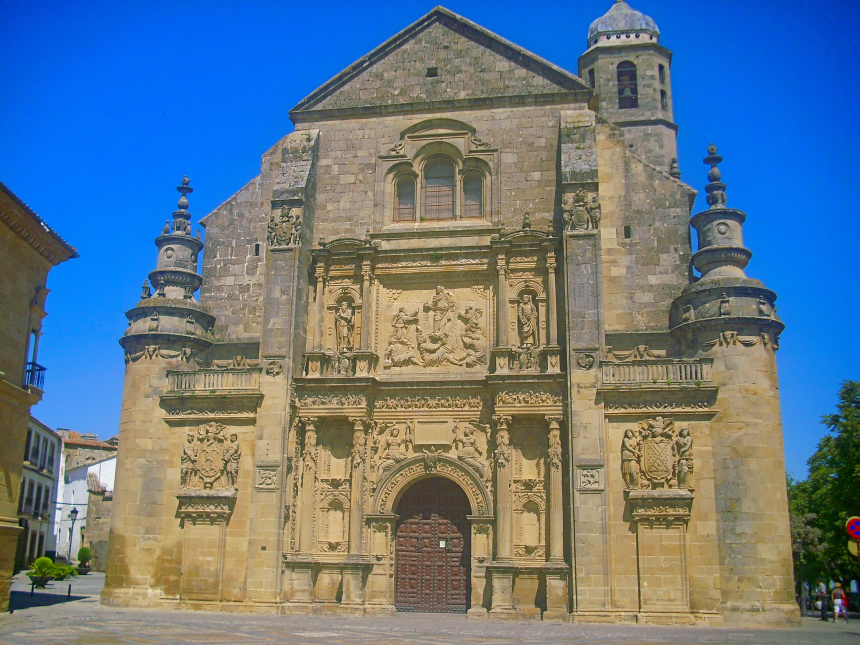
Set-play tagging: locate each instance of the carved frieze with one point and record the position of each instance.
(532, 397)
(428, 403)
(657, 456)
(154, 351)
(206, 506)
(332, 401)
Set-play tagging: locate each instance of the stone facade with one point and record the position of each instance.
(29, 248)
(464, 263)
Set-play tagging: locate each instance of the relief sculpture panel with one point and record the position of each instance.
(436, 328)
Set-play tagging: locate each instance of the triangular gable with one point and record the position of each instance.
(472, 63)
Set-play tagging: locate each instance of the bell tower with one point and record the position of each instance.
(628, 69)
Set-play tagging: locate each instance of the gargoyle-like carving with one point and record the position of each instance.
(657, 456)
(210, 457)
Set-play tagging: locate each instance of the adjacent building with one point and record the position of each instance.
(454, 352)
(29, 249)
(74, 503)
(36, 506)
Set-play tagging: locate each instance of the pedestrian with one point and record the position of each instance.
(840, 603)
(823, 597)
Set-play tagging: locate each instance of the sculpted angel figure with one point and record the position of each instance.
(188, 462)
(467, 448)
(527, 320)
(231, 460)
(345, 319)
(684, 452)
(392, 450)
(630, 460)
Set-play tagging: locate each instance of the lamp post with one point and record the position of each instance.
(73, 515)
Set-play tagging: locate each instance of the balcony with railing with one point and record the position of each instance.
(34, 375)
(211, 380)
(664, 372)
(212, 393)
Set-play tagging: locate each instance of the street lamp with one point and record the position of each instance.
(73, 515)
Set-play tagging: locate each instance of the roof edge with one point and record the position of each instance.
(559, 75)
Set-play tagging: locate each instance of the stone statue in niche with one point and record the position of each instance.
(209, 460)
(345, 321)
(527, 322)
(468, 450)
(657, 456)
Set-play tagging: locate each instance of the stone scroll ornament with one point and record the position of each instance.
(657, 455)
(210, 458)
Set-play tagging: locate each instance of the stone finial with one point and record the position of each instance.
(145, 291)
(527, 222)
(181, 217)
(716, 189)
(166, 229)
(674, 170)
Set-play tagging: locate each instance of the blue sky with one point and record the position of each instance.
(107, 104)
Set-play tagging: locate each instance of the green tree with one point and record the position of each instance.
(832, 491)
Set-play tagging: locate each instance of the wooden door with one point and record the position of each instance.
(432, 548)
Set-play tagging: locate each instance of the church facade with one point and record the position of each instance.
(450, 354)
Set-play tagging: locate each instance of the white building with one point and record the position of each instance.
(74, 495)
(36, 508)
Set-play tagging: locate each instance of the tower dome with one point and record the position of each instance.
(620, 24)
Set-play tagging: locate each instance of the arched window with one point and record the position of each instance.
(661, 72)
(591, 78)
(628, 93)
(439, 182)
(405, 199)
(473, 195)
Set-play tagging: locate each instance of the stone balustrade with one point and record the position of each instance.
(206, 380)
(662, 372)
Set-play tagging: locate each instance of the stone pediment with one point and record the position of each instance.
(440, 60)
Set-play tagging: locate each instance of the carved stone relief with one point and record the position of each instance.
(285, 228)
(657, 455)
(437, 330)
(210, 458)
(579, 212)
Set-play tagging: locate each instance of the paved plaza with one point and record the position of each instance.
(50, 617)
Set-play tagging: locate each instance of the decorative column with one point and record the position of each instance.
(365, 305)
(501, 352)
(356, 562)
(317, 358)
(552, 348)
(502, 568)
(365, 360)
(319, 274)
(302, 588)
(555, 568)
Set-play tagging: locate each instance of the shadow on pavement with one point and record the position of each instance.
(41, 598)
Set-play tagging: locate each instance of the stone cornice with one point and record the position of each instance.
(32, 229)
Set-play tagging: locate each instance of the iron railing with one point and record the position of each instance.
(34, 375)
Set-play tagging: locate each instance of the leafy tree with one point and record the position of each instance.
(821, 504)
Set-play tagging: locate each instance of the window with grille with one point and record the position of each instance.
(405, 200)
(439, 182)
(628, 92)
(473, 195)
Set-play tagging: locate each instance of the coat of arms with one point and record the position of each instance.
(657, 456)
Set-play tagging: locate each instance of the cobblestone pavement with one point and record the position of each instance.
(48, 617)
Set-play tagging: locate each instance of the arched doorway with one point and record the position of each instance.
(432, 548)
